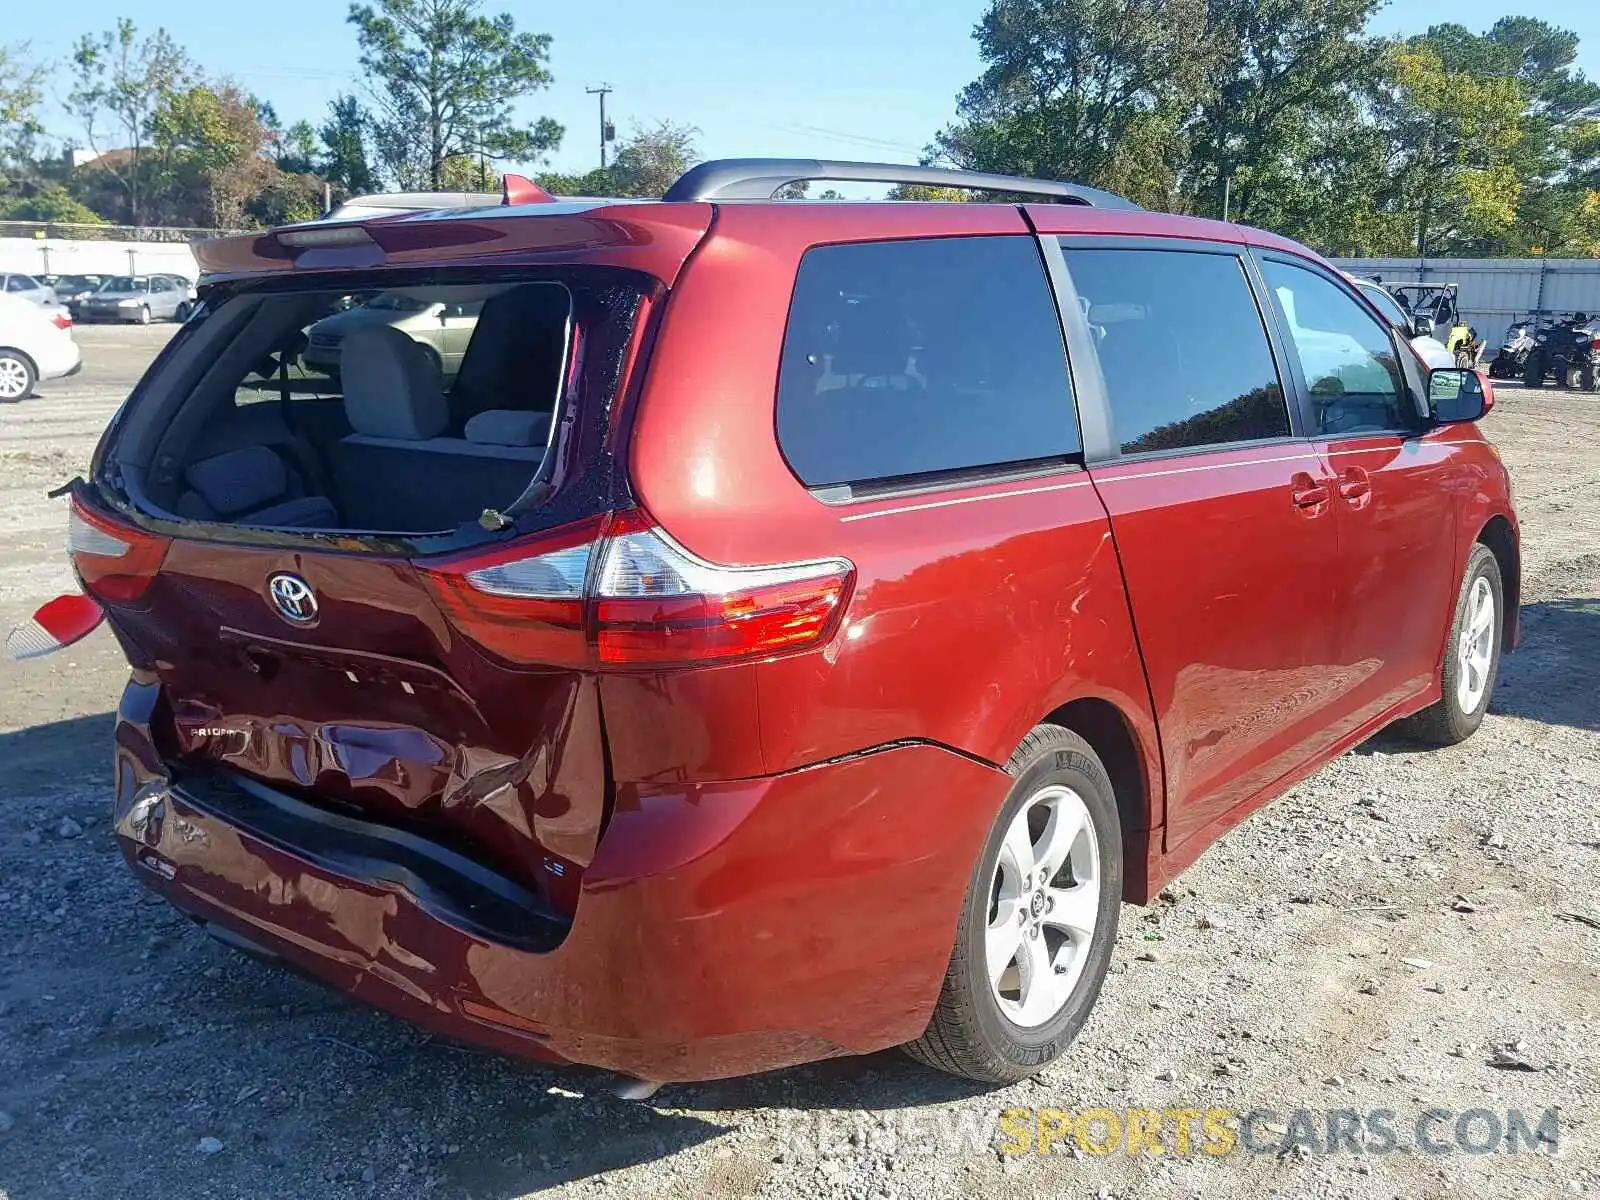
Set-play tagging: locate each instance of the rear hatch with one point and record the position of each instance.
(346, 668)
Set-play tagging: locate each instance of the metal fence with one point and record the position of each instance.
(1494, 292)
(71, 231)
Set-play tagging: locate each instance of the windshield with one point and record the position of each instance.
(1387, 305)
(126, 283)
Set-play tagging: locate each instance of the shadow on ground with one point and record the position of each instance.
(1549, 678)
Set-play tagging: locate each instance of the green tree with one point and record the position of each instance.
(920, 191)
(1271, 69)
(21, 93)
(209, 140)
(444, 79)
(652, 158)
(1068, 82)
(344, 159)
(51, 202)
(1455, 138)
(119, 80)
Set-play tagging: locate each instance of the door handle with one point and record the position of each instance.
(1309, 496)
(1355, 485)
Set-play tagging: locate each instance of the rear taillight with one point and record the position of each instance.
(57, 624)
(116, 562)
(61, 320)
(624, 593)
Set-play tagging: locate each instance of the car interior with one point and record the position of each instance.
(392, 440)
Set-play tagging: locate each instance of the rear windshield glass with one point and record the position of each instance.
(396, 409)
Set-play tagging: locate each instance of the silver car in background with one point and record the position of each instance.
(140, 299)
(443, 328)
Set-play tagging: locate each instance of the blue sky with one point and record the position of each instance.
(866, 79)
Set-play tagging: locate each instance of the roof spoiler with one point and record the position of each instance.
(760, 178)
(514, 189)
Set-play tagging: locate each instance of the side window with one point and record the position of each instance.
(1182, 347)
(1347, 357)
(29, 283)
(14, 283)
(913, 357)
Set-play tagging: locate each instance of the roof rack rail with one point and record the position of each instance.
(759, 178)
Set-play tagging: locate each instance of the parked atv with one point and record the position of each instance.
(1514, 351)
(1569, 350)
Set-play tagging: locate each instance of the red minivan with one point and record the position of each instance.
(743, 633)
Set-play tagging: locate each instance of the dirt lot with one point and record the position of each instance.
(1367, 942)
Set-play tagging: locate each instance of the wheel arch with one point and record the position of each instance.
(1500, 536)
(1110, 734)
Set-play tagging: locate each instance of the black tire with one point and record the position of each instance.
(1533, 372)
(16, 368)
(1590, 379)
(181, 314)
(1464, 359)
(969, 1034)
(1572, 378)
(1446, 722)
(144, 315)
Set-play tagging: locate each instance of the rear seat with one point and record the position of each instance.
(398, 470)
(251, 486)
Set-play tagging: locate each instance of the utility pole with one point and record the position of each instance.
(606, 130)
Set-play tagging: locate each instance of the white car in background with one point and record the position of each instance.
(35, 343)
(1430, 349)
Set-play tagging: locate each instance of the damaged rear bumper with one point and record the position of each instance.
(721, 929)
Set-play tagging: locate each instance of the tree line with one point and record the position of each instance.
(1284, 114)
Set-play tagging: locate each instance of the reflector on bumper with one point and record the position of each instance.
(57, 624)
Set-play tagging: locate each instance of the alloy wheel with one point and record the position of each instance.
(1043, 907)
(13, 379)
(1475, 650)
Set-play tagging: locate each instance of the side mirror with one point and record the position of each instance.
(1456, 394)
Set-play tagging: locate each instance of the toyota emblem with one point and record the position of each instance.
(293, 598)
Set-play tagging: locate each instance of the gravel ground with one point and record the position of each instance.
(1406, 930)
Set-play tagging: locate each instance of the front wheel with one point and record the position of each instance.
(1533, 372)
(181, 313)
(144, 315)
(17, 375)
(1590, 378)
(1039, 921)
(1472, 656)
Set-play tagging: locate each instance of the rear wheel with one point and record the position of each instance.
(1572, 378)
(1472, 656)
(1533, 372)
(17, 375)
(1039, 921)
(1589, 378)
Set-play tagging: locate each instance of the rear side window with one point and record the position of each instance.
(911, 358)
(1182, 347)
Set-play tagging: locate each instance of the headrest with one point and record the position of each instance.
(392, 388)
(238, 480)
(874, 340)
(509, 427)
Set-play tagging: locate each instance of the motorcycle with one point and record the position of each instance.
(1570, 350)
(1514, 351)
